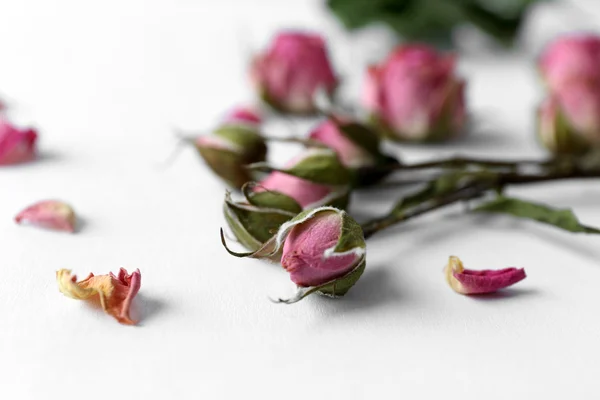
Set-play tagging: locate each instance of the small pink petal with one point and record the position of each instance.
(466, 281)
(16, 145)
(49, 214)
(245, 115)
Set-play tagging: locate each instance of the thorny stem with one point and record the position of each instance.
(474, 189)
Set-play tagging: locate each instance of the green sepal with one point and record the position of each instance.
(227, 164)
(270, 199)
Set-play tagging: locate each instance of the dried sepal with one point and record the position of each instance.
(115, 293)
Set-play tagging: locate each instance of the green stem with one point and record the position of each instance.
(474, 189)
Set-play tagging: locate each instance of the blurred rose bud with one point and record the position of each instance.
(16, 145)
(324, 251)
(466, 281)
(357, 146)
(49, 214)
(415, 95)
(244, 115)
(570, 59)
(569, 120)
(293, 69)
(314, 178)
(233, 145)
(114, 292)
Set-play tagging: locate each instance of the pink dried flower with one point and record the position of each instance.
(466, 281)
(244, 115)
(415, 95)
(306, 193)
(49, 214)
(114, 292)
(307, 247)
(351, 154)
(292, 70)
(16, 145)
(571, 58)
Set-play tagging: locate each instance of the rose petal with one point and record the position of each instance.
(16, 145)
(49, 214)
(114, 292)
(466, 281)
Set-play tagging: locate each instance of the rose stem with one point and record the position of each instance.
(472, 191)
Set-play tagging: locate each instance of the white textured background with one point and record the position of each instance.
(105, 81)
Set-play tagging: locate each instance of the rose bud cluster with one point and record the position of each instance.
(16, 145)
(357, 146)
(236, 143)
(323, 250)
(569, 117)
(415, 95)
(292, 71)
(315, 178)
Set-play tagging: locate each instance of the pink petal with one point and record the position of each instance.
(49, 214)
(466, 281)
(246, 115)
(16, 145)
(304, 251)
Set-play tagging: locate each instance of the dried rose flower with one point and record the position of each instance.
(294, 68)
(572, 58)
(569, 120)
(233, 145)
(415, 95)
(466, 281)
(324, 251)
(114, 292)
(49, 214)
(314, 178)
(357, 146)
(16, 145)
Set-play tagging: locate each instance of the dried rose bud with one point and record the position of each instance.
(357, 146)
(315, 178)
(572, 58)
(244, 115)
(49, 214)
(324, 251)
(466, 281)
(293, 69)
(415, 95)
(114, 292)
(236, 143)
(569, 121)
(256, 219)
(16, 145)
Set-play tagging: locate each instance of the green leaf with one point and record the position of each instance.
(362, 135)
(560, 218)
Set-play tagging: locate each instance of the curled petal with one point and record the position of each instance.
(49, 214)
(465, 281)
(114, 292)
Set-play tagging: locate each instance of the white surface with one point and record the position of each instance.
(105, 81)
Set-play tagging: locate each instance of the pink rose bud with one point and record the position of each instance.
(232, 146)
(16, 145)
(324, 251)
(293, 69)
(415, 95)
(114, 292)
(569, 120)
(313, 179)
(466, 281)
(49, 214)
(357, 146)
(244, 116)
(571, 58)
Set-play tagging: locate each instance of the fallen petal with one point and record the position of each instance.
(467, 281)
(114, 292)
(16, 145)
(49, 214)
